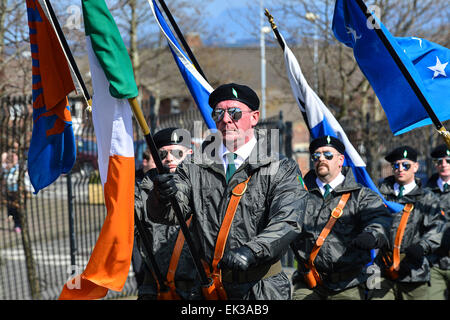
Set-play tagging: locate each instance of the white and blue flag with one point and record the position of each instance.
(200, 89)
(321, 122)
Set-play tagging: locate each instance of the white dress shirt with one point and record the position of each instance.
(408, 188)
(333, 184)
(441, 183)
(242, 153)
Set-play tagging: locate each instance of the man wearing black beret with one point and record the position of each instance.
(415, 233)
(337, 268)
(439, 183)
(245, 258)
(174, 146)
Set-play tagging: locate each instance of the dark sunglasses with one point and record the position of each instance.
(440, 161)
(177, 153)
(234, 113)
(327, 154)
(406, 165)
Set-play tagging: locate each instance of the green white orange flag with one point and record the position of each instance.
(113, 83)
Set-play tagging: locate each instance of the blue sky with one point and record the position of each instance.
(233, 17)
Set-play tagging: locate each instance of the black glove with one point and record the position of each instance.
(414, 254)
(238, 259)
(364, 240)
(164, 185)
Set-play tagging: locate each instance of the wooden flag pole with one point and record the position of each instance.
(206, 282)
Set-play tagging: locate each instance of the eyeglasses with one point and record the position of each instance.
(177, 153)
(406, 165)
(327, 154)
(235, 113)
(440, 161)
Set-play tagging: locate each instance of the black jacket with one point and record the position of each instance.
(441, 257)
(163, 238)
(364, 212)
(424, 227)
(265, 220)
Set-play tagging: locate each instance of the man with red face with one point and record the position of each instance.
(439, 183)
(416, 232)
(263, 214)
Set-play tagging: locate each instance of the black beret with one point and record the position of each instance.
(327, 141)
(233, 91)
(440, 151)
(168, 136)
(403, 152)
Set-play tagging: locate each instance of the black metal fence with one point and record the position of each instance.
(45, 238)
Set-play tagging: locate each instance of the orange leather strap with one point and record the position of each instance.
(335, 214)
(237, 193)
(399, 236)
(393, 269)
(175, 259)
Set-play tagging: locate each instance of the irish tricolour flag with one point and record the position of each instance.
(113, 84)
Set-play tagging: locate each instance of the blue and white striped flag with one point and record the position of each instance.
(198, 86)
(321, 122)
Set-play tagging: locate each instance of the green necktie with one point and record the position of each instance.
(445, 186)
(327, 190)
(231, 167)
(400, 194)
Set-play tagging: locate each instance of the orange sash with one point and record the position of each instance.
(394, 265)
(312, 277)
(216, 274)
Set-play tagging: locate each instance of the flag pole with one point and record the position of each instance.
(274, 28)
(181, 37)
(437, 123)
(66, 49)
(282, 45)
(164, 289)
(207, 284)
(137, 111)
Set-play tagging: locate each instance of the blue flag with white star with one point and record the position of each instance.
(397, 68)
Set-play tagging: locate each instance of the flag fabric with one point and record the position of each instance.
(198, 86)
(52, 147)
(405, 73)
(113, 83)
(321, 122)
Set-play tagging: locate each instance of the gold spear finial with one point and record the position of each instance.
(445, 135)
(89, 106)
(270, 18)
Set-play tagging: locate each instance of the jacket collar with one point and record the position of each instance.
(349, 184)
(432, 184)
(256, 159)
(388, 187)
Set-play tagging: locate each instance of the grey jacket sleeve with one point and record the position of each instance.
(433, 224)
(286, 201)
(375, 216)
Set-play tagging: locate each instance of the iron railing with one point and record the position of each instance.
(60, 224)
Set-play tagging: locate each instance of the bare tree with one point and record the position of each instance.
(341, 84)
(14, 47)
